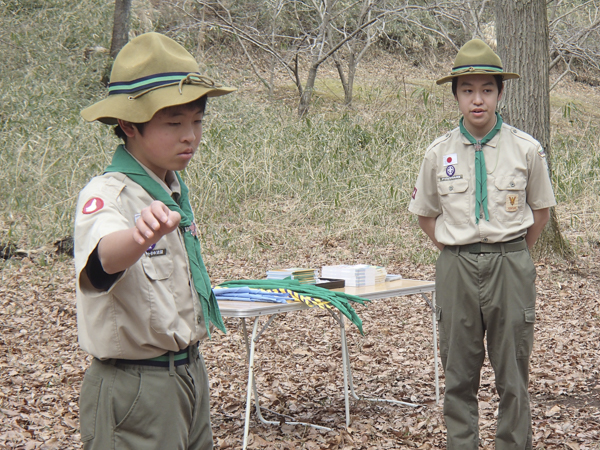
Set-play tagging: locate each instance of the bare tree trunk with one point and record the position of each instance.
(201, 36)
(522, 35)
(120, 34)
(317, 53)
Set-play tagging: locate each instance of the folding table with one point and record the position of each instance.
(243, 310)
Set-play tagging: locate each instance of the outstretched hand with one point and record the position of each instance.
(154, 222)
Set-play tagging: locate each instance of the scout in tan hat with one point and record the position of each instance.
(150, 73)
(144, 299)
(482, 196)
(476, 57)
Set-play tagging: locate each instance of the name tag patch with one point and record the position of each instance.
(151, 253)
(455, 177)
(512, 202)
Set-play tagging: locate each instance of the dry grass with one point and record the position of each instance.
(269, 190)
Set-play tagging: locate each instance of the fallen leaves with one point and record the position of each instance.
(299, 369)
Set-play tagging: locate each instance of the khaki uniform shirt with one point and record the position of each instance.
(153, 307)
(517, 183)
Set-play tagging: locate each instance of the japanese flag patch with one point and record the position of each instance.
(450, 159)
(93, 205)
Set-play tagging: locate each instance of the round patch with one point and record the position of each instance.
(92, 205)
(450, 170)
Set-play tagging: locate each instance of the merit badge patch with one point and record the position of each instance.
(541, 152)
(450, 159)
(450, 171)
(512, 202)
(93, 205)
(414, 194)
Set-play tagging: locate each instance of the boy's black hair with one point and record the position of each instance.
(498, 78)
(198, 103)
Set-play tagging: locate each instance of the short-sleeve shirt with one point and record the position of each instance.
(152, 307)
(517, 183)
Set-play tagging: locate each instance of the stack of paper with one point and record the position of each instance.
(380, 274)
(304, 276)
(357, 275)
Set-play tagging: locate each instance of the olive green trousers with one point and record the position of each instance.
(127, 406)
(487, 295)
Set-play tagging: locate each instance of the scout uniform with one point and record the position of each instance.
(484, 275)
(147, 387)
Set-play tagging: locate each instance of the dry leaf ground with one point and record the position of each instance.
(299, 366)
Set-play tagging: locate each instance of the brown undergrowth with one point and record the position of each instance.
(298, 364)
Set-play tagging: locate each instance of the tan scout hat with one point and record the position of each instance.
(476, 57)
(150, 73)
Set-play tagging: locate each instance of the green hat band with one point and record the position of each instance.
(157, 81)
(475, 66)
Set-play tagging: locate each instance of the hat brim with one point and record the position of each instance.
(505, 75)
(119, 106)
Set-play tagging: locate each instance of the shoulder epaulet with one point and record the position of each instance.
(522, 135)
(110, 184)
(440, 139)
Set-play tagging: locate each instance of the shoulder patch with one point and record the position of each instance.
(93, 205)
(541, 152)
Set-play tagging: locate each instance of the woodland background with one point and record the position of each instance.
(279, 183)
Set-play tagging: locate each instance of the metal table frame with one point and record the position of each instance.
(255, 310)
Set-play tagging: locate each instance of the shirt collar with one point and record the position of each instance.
(172, 186)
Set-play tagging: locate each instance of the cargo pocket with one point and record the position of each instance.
(88, 406)
(441, 333)
(454, 199)
(526, 341)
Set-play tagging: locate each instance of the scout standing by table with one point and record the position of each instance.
(483, 195)
(144, 299)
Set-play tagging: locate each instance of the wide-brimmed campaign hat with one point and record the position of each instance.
(150, 73)
(475, 58)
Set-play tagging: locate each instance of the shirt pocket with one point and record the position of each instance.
(509, 198)
(160, 291)
(454, 198)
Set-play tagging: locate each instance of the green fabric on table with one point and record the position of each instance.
(338, 299)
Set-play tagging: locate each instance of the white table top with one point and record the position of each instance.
(395, 288)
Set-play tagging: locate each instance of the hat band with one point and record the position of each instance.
(461, 69)
(157, 81)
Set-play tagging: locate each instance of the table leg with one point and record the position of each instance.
(347, 371)
(250, 381)
(432, 305)
(250, 349)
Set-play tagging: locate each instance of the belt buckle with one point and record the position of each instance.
(475, 248)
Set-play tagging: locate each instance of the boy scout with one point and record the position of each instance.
(483, 196)
(144, 299)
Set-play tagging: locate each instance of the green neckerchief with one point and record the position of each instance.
(124, 163)
(480, 170)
